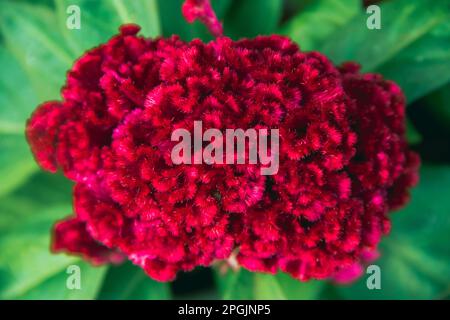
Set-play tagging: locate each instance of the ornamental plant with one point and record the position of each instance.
(345, 159)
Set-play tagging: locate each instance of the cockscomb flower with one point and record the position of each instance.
(344, 163)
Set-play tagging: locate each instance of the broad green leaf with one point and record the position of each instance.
(250, 18)
(55, 288)
(17, 100)
(267, 287)
(100, 20)
(29, 33)
(16, 162)
(294, 6)
(423, 66)
(243, 284)
(40, 2)
(128, 281)
(294, 289)
(403, 22)
(34, 54)
(142, 12)
(173, 22)
(235, 285)
(318, 20)
(50, 194)
(415, 260)
(26, 218)
(25, 258)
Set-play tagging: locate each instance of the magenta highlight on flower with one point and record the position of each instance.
(237, 151)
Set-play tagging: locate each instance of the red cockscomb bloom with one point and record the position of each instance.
(344, 160)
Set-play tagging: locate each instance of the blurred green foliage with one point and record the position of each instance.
(36, 50)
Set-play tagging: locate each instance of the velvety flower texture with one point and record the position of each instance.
(344, 161)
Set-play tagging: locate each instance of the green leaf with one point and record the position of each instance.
(423, 66)
(16, 162)
(130, 282)
(243, 284)
(100, 20)
(403, 22)
(294, 289)
(142, 12)
(30, 34)
(415, 260)
(318, 20)
(26, 218)
(267, 287)
(235, 285)
(17, 101)
(55, 288)
(250, 18)
(17, 98)
(30, 38)
(46, 193)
